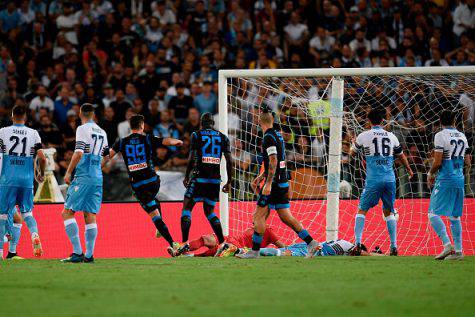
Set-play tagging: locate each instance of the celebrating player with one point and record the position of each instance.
(275, 192)
(19, 145)
(243, 240)
(447, 196)
(85, 190)
(202, 177)
(138, 150)
(379, 148)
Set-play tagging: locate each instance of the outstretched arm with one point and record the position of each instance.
(172, 142)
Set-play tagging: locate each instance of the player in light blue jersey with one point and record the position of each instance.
(19, 145)
(379, 148)
(446, 199)
(339, 247)
(85, 190)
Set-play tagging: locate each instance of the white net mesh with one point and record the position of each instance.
(302, 110)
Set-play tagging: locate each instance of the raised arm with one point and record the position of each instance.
(172, 142)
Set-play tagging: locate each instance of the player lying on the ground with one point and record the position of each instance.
(446, 199)
(85, 190)
(19, 145)
(275, 192)
(138, 150)
(331, 248)
(203, 177)
(243, 240)
(379, 148)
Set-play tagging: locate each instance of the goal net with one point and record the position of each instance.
(317, 112)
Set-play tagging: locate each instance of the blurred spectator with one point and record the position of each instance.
(206, 101)
(41, 101)
(180, 104)
(62, 105)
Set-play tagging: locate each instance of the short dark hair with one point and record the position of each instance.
(447, 118)
(136, 121)
(19, 111)
(375, 116)
(207, 120)
(87, 109)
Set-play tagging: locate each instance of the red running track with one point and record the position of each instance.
(125, 231)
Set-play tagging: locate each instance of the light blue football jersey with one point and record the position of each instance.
(379, 147)
(92, 141)
(454, 145)
(18, 145)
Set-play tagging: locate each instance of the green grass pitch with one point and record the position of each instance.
(333, 286)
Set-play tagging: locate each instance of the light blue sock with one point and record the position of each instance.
(30, 222)
(3, 222)
(72, 230)
(359, 227)
(439, 228)
(456, 228)
(391, 224)
(91, 235)
(16, 232)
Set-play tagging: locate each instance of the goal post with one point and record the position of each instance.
(321, 107)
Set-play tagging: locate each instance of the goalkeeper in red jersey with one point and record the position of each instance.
(231, 245)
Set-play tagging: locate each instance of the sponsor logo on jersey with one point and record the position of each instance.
(282, 164)
(136, 167)
(210, 160)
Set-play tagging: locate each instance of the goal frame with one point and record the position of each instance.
(336, 122)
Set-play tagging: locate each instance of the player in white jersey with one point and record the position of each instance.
(85, 190)
(446, 199)
(339, 247)
(19, 146)
(379, 148)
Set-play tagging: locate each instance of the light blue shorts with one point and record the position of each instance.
(373, 192)
(84, 197)
(11, 196)
(446, 201)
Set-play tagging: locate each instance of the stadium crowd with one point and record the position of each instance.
(161, 58)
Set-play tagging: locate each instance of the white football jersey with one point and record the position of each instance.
(91, 140)
(454, 145)
(379, 147)
(19, 145)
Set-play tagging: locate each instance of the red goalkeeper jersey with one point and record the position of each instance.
(245, 239)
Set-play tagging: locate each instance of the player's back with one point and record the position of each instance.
(337, 247)
(379, 147)
(19, 145)
(137, 150)
(92, 141)
(454, 145)
(273, 143)
(209, 146)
